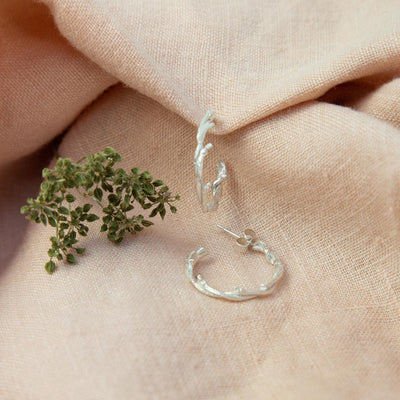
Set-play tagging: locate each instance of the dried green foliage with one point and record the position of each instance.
(114, 190)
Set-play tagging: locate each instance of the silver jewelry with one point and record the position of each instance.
(247, 240)
(201, 151)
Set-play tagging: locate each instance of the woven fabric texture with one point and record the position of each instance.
(307, 99)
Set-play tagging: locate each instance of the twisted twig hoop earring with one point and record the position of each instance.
(201, 151)
(247, 240)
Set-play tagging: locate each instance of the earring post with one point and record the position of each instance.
(228, 231)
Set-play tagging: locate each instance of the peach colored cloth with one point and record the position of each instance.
(307, 95)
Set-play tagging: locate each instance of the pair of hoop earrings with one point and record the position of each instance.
(244, 242)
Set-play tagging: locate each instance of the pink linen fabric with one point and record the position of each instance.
(306, 95)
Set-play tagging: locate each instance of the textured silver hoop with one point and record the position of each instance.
(203, 190)
(246, 241)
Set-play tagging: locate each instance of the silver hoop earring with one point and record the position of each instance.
(203, 190)
(246, 241)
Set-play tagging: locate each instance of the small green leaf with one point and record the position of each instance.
(46, 172)
(92, 217)
(49, 267)
(117, 157)
(162, 213)
(34, 215)
(25, 209)
(109, 151)
(146, 175)
(148, 188)
(48, 212)
(71, 258)
(158, 182)
(112, 236)
(107, 219)
(154, 212)
(53, 222)
(98, 193)
(70, 198)
(103, 228)
(147, 223)
(119, 216)
(121, 233)
(43, 219)
(113, 227)
(80, 250)
(163, 189)
(107, 187)
(87, 207)
(124, 206)
(63, 210)
(80, 178)
(173, 209)
(52, 253)
(114, 199)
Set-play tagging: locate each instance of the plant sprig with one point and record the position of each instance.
(114, 190)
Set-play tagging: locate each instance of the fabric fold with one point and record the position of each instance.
(243, 61)
(45, 82)
(308, 92)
